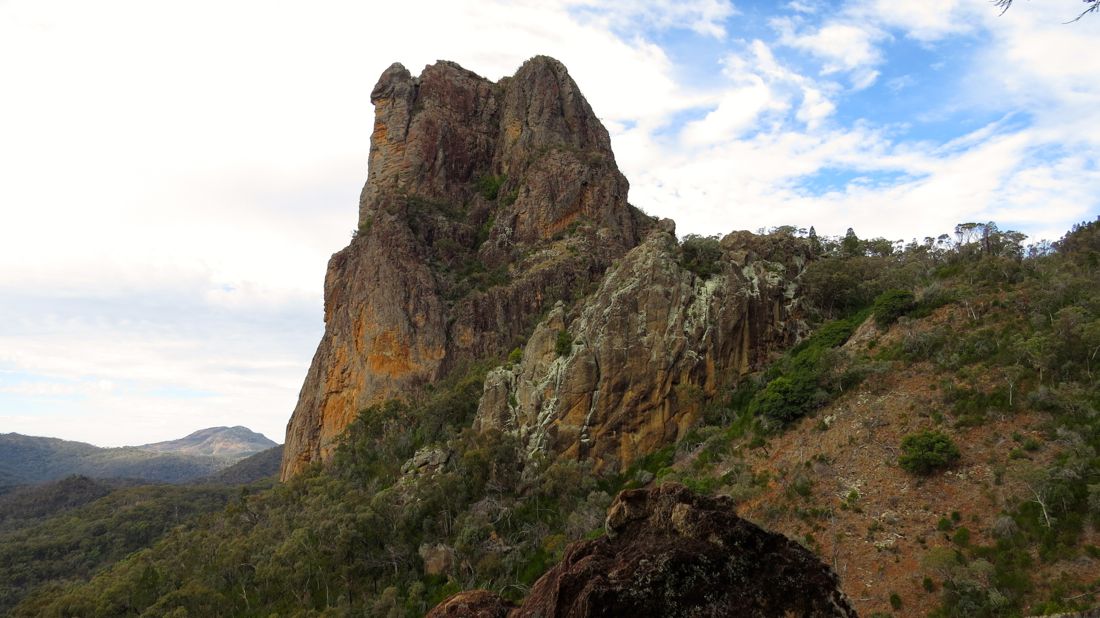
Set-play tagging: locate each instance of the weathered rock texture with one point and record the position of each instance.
(472, 604)
(484, 204)
(648, 348)
(671, 552)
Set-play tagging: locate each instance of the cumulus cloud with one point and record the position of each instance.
(999, 170)
(927, 21)
(705, 17)
(815, 108)
(738, 110)
(843, 47)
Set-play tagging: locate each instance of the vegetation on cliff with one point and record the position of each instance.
(416, 505)
(978, 373)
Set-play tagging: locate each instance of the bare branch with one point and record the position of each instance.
(1092, 8)
(1094, 5)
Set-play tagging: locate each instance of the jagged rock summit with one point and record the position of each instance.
(485, 204)
(671, 552)
(493, 218)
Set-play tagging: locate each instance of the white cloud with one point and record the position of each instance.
(926, 21)
(815, 108)
(1002, 171)
(130, 370)
(804, 7)
(705, 17)
(738, 110)
(842, 46)
(996, 172)
(898, 84)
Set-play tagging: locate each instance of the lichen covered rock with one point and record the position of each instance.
(626, 371)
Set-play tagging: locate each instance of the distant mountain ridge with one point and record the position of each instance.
(32, 459)
(223, 442)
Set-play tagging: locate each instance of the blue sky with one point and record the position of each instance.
(175, 180)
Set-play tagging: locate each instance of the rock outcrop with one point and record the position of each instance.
(627, 371)
(472, 604)
(485, 203)
(671, 552)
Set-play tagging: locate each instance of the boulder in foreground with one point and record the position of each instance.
(671, 552)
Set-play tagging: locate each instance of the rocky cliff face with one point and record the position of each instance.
(670, 552)
(626, 372)
(485, 204)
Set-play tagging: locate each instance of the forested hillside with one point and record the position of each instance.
(29, 502)
(254, 468)
(68, 530)
(941, 419)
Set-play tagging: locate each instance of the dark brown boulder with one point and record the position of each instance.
(671, 552)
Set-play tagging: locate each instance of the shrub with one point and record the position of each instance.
(891, 305)
(805, 379)
(364, 227)
(489, 186)
(961, 537)
(701, 254)
(785, 399)
(515, 356)
(926, 452)
(564, 343)
(1004, 527)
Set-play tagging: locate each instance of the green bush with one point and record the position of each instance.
(489, 186)
(785, 398)
(891, 305)
(364, 227)
(961, 537)
(564, 343)
(515, 356)
(926, 452)
(804, 379)
(701, 254)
